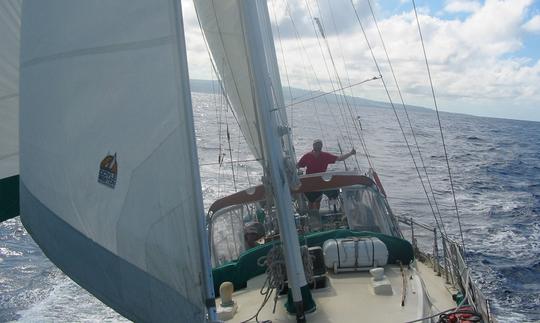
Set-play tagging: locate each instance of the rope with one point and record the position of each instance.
(275, 278)
(453, 310)
(276, 274)
(404, 284)
(440, 127)
(307, 261)
(275, 266)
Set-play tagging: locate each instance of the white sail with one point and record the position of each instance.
(221, 22)
(10, 21)
(110, 188)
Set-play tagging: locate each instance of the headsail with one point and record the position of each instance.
(221, 23)
(110, 188)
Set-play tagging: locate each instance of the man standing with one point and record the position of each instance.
(317, 161)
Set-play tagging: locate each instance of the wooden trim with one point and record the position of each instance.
(309, 183)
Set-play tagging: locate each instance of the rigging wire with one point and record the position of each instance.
(220, 130)
(348, 79)
(340, 47)
(395, 110)
(440, 126)
(330, 92)
(339, 98)
(344, 96)
(238, 161)
(230, 154)
(304, 51)
(234, 161)
(219, 116)
(284, 67)
(336, 97)
(222, 96)
(249, 133)
(408, 118)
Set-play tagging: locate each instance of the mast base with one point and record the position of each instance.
(306, 306)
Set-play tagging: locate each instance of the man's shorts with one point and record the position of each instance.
(315, 196)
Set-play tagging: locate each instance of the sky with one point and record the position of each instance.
(483, 55)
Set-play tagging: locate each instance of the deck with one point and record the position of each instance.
(349, 298)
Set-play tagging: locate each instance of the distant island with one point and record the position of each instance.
(212, 86)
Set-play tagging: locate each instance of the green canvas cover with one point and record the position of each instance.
(238, 272)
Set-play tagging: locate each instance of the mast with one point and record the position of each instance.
(266, 31)
(274, 161)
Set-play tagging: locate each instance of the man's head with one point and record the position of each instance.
(253, 231)
(317, 145)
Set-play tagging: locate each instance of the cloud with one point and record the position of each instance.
(469, 58)
(455, 6)
(533, 25)
(473, 59)
(297, 17)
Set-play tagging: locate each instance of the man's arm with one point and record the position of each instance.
(301, 163)
(347, 155)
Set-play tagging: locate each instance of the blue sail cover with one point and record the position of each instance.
(110, 188)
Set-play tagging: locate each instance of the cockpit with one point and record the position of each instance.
(359, 204)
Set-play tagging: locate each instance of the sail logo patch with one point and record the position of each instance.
(108, 171)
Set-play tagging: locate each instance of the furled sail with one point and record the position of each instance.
(110, 188)
(221, 23)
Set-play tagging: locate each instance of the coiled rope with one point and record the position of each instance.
(276, 275)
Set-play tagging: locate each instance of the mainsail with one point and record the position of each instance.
(110, 187)
(221, 22)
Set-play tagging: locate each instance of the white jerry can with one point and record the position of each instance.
(354, 253)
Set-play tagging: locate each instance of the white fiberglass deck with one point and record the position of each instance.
(350, 298)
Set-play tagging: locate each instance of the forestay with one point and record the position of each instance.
(110, 188)
(221, 22)
(10, 21)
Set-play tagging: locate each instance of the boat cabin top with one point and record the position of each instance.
(356, 202)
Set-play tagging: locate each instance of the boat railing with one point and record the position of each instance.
(446, 257)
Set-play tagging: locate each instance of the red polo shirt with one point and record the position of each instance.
(317, 164)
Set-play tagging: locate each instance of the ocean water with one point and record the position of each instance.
(496, 171)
